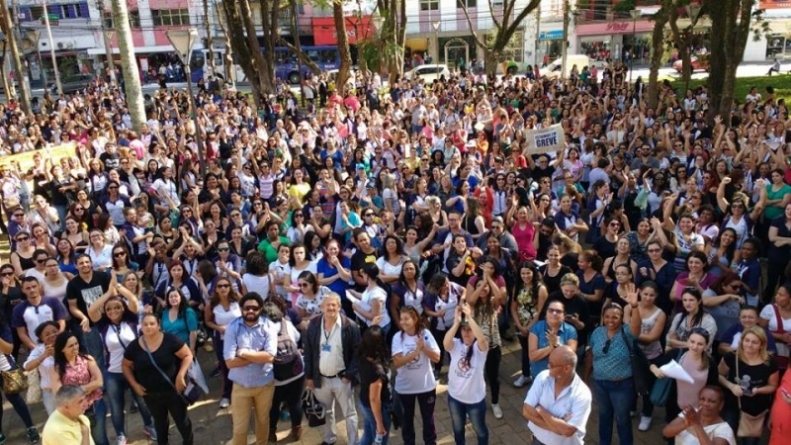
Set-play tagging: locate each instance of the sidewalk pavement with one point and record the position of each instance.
(213, 426)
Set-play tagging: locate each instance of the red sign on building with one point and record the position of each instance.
(357, 29)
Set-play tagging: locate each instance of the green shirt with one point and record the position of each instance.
(269, 250)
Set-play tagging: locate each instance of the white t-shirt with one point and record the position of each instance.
(465, 380)
(368, 297)
(718, 430)
(768, 313)
(312, 307)
(44, 368)
(223, 317)
(387, 268)
(114, 346)
(278, 270)
(254, 283)
(417, 376)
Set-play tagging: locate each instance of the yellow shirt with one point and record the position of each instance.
(60, 430)
(299, 191)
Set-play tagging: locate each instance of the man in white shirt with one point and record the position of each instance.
(558, 404)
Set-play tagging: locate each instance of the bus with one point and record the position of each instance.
(286, 64)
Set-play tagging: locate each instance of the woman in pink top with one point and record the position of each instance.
(522, 229)
(73, 368)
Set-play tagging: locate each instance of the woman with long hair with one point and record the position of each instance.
(722, 253)
(371, 306)
(407, 291)
(466, 384)
(334, 268)
(659, 271)
(156, 368)
(414, 351)
(41, 360)
(54, 282)
(639, 239)
(522, 228)
(486, 304)
(65, 256)
(178, 318)
(690, 316)
(374, 362)
(117, 321)
(777, 318)
(288, 369)
(652, 325)
(751, 377)
(122, 264)
(74, 368)
(440, 305)
(298, 262)
(76, 234)
(392, 259)
(695, 276)
(527, 301)
(553, 271)
(623, 249)
(256, 276)
(178, 279)
(222, 309)
(22, 255)
(228, 265)
(100, 252)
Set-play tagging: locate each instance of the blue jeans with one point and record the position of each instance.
(458, 417)
(615, 400)
(369, 424)
(116, 387)
(19, 406)
(99, 422)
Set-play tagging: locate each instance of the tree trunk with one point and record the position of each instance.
(657, 52)
(682, 43)
(19, 68)
(6, 86)
(132, 89)
(209, 39)
(490, 58)
(344, 72)
(239, 42)
(228, 64)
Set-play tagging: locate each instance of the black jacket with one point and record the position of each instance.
(350, 338)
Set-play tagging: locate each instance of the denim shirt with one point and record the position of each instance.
(261, 337)
(566, 332)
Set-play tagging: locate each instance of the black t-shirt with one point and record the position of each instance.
(453, 260)
(58, 197)
(110, 161)
(604, 247)
(749, 377)
(573, 306)
(553, 283)
(360, 259)
(86, 293)
(370, 372)
(165, 357)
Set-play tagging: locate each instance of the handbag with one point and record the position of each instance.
(749, 425)
(34, 391)
(639, 367)
(780, 360)
(313, 409)
(660, 392)
(14, 380)
(192, 393)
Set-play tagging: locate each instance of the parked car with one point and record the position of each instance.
(428, 72)
(697, 65)
(552, 70)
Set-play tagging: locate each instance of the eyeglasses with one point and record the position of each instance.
(223, 249)
(615, 224)
(18, 215)
(303, 285)
(23, 238)
(41, 260)
(368, 214)
(76, 209)
(251, 308)
(606, 347)
(555, 311)
(111, 188)
(654, 250)
(116, 307)
(223, 286)
(119, 254)
(258, 203)
(7, 274)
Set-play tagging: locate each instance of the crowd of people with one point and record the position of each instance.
(377, 245)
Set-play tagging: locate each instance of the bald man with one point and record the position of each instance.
(558, 404)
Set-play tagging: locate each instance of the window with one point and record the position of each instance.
(134, 18)
(467, 3)
(73, 10)
(429, 5)
(170, 17)
(36, 12)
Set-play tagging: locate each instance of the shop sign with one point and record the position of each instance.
(617, 26)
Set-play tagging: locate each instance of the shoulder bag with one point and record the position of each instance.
(780, 360)
(192, 393)
(749, 425)
(639, 363)
(14, 380)
(660, 392)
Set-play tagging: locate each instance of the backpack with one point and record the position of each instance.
(288, 361)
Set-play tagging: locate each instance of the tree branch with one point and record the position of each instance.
(302, 57)
(474, 33)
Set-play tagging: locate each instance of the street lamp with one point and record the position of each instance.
(636, 13)
(183, 40)
(436, 26)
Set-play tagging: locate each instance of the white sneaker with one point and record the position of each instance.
(645, 423)
(498, 413)
(224, 403)
(120, 440)
(521, 381)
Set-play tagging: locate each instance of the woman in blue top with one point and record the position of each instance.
(548, 334)
(612, 371)
(334, 269)
(178, 318)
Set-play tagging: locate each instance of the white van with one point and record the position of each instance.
(553, 69)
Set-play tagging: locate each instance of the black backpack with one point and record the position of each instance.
(288, 361)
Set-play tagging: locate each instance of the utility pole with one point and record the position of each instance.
(52, 49)
(537, 58)
(11, 31)
(106, 37)
(564, 50)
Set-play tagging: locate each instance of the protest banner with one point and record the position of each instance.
(546, 140)
(25, 160)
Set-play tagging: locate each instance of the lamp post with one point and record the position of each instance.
(636, 13)
(183, 40)
(52, 49)
(436, 26)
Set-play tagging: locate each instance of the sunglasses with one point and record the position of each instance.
(223, 249)
(223, 286)
(18, 215)
(23, 238)
(119, 254)
(303, 284)
(606, 347)
(7, 274)
(251, 308)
